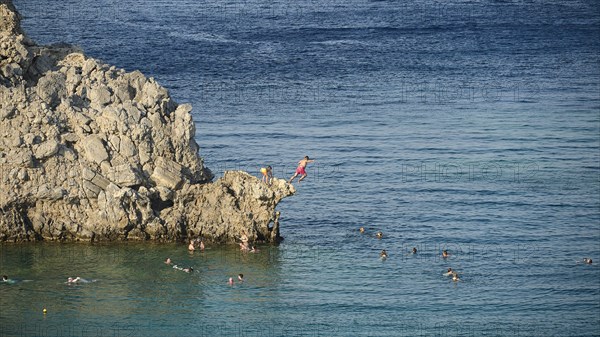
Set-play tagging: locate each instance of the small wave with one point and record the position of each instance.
(343, 43)
(203, 37)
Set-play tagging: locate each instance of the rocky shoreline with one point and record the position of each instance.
(89, 152)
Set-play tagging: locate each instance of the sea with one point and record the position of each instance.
(467, 126)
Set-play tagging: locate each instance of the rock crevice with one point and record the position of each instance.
(91, 152)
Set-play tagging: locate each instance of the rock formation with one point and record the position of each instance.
(91, 152)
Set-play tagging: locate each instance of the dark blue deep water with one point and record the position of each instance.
(471, 126)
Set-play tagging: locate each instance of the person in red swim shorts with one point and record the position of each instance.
(301, 170)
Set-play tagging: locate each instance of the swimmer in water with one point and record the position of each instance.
(191, 246)
(445, 254)
(362, 229)
(254, 250)
(414, 250)
(7, 280)
(241, 277)
(71, 280)
(588, 261)
(379, 235)
(202, 245)
(449, 272)
(168, 261)
(244, 244)
(187, 270)
(230, 281)
(383, 254)
(455, 277)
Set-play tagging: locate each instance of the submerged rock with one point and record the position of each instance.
(90, 152)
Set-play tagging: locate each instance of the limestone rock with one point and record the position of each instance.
(20, 158)
(10, 22)
(6, 112)
(93, 183)
(51, 88)
(100, 96)
(90, 152)
(46, 149)
(124, 175)
(94, 149)
(167, 173)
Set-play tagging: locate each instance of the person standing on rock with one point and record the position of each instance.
(301, 169)
(267, 173)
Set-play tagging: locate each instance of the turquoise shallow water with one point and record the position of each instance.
(294, 290)
(467, 126)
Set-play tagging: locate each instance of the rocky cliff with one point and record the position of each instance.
(91, 152)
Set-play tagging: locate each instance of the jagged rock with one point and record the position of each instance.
(164, 193)
(231, 205)
(167, 173)
(11, 18)
(48, 193)
(46, 149)
(6, 112)
(51, 88)
(94, 149)
(12, 70)
(126, 147)
(90, 152)
(99, 96)
(124, 175)
(21, 158)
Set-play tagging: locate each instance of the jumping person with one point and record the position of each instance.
(301, 169)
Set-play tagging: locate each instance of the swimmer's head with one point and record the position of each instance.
(362, 229)
(240, 277)
(414, 250)
(379, 235)
(449, 270)
(191, 269)
(4, 277)
(306, 157)
(70, 279)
